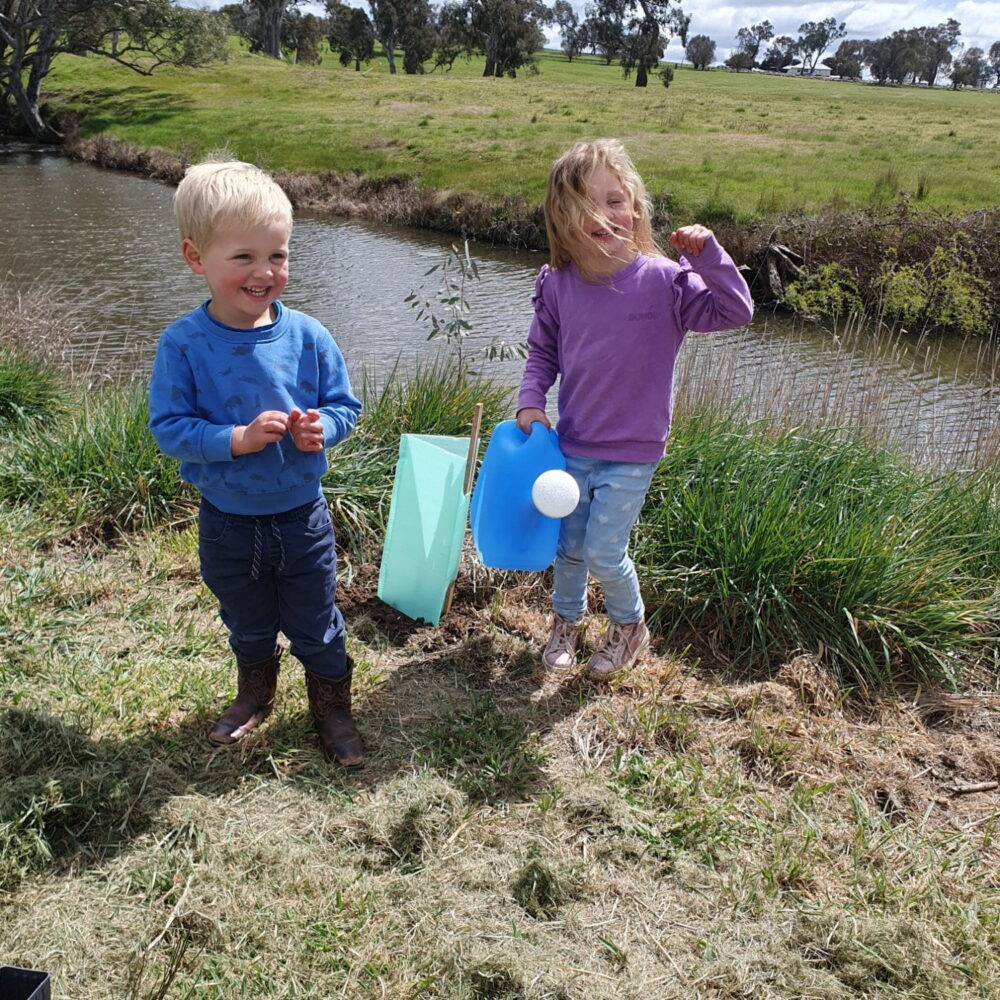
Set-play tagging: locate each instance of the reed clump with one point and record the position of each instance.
(760, 541)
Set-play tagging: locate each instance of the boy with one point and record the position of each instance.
(248, 394)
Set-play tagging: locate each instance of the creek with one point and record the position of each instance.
(106, 241)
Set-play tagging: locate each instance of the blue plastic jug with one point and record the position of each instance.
(507, 528)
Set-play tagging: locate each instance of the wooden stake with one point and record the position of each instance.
(470, 462)
(470, 471)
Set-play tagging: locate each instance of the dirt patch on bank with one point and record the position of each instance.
(920, 756)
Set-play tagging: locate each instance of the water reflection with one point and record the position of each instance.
(108, 239)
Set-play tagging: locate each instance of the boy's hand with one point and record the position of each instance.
(271, 425)
(529, 415)
(306, 430)
(690, 239)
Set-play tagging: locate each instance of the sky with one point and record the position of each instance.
(980, 19)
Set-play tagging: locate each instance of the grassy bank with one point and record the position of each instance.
(887, 195)
(740, 147)
(688, 832)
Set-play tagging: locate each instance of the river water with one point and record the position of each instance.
(106, 240)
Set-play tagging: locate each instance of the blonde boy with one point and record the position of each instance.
(248, 394)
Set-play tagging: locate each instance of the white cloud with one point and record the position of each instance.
(980, 19)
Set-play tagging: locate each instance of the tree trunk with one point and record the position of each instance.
(31, 114)
(270, 26)
(641, 77)
(26, 98)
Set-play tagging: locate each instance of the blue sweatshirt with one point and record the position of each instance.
(209, 377)
(614, 343)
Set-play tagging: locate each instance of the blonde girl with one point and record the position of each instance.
(610, 314)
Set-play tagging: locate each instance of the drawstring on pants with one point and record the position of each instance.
(258, 546)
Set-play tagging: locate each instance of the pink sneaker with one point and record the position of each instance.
(560, 650)
(620, 647)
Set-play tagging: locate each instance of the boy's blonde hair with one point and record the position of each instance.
(219, 193)
(567, 204)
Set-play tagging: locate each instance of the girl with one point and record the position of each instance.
(611, 312)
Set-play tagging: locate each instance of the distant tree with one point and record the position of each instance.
(350, 33)
(739, 60)
(700, 51)
(139, 36)
(890, 59)
(453, 36)
(605, 28)
(782, 53)
(634, 31)
(749, 40)
(933, 49)
(680, 24)
(994, 62)
(387, 23)
(302, 35)
(261, 23)
(815, 37)
(418, 36)
(507, 32)
(569, 28)
(847, 60)
(271, 14)
(970, 69)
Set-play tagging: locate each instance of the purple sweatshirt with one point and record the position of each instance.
(614, 345)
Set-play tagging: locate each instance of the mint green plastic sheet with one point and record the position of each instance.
(427, 518)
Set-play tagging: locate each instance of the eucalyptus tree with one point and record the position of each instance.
(570, 30)
(781, 53)
(933, 49)
(890, 59)
(302, 34)
(700, 51)
(847, 60)
(605, 29)
(350, 34)
(640, 29)
(815, 37)
(750, 39)
(507, 32)
(271, 15)
(139, 35)
(970, 69)
(993, 62)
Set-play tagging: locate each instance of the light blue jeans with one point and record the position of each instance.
(594, 539)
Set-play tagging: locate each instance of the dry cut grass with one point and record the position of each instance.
(514, 835)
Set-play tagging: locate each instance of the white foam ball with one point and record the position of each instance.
(555, 493)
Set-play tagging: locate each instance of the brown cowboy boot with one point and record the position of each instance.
(330, 704)
(256, 687)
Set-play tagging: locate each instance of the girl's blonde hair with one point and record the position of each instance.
(220, 193)
(567, 204)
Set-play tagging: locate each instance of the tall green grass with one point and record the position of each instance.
(102, 472)
(755, 542)
(758, 542)
(28, 388)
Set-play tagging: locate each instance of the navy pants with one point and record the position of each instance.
(276, 572)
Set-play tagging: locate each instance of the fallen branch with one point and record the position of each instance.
(978, 786)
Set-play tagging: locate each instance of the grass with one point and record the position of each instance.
(761, 540)
(714, 147)
(516, 835)
(138, 863)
